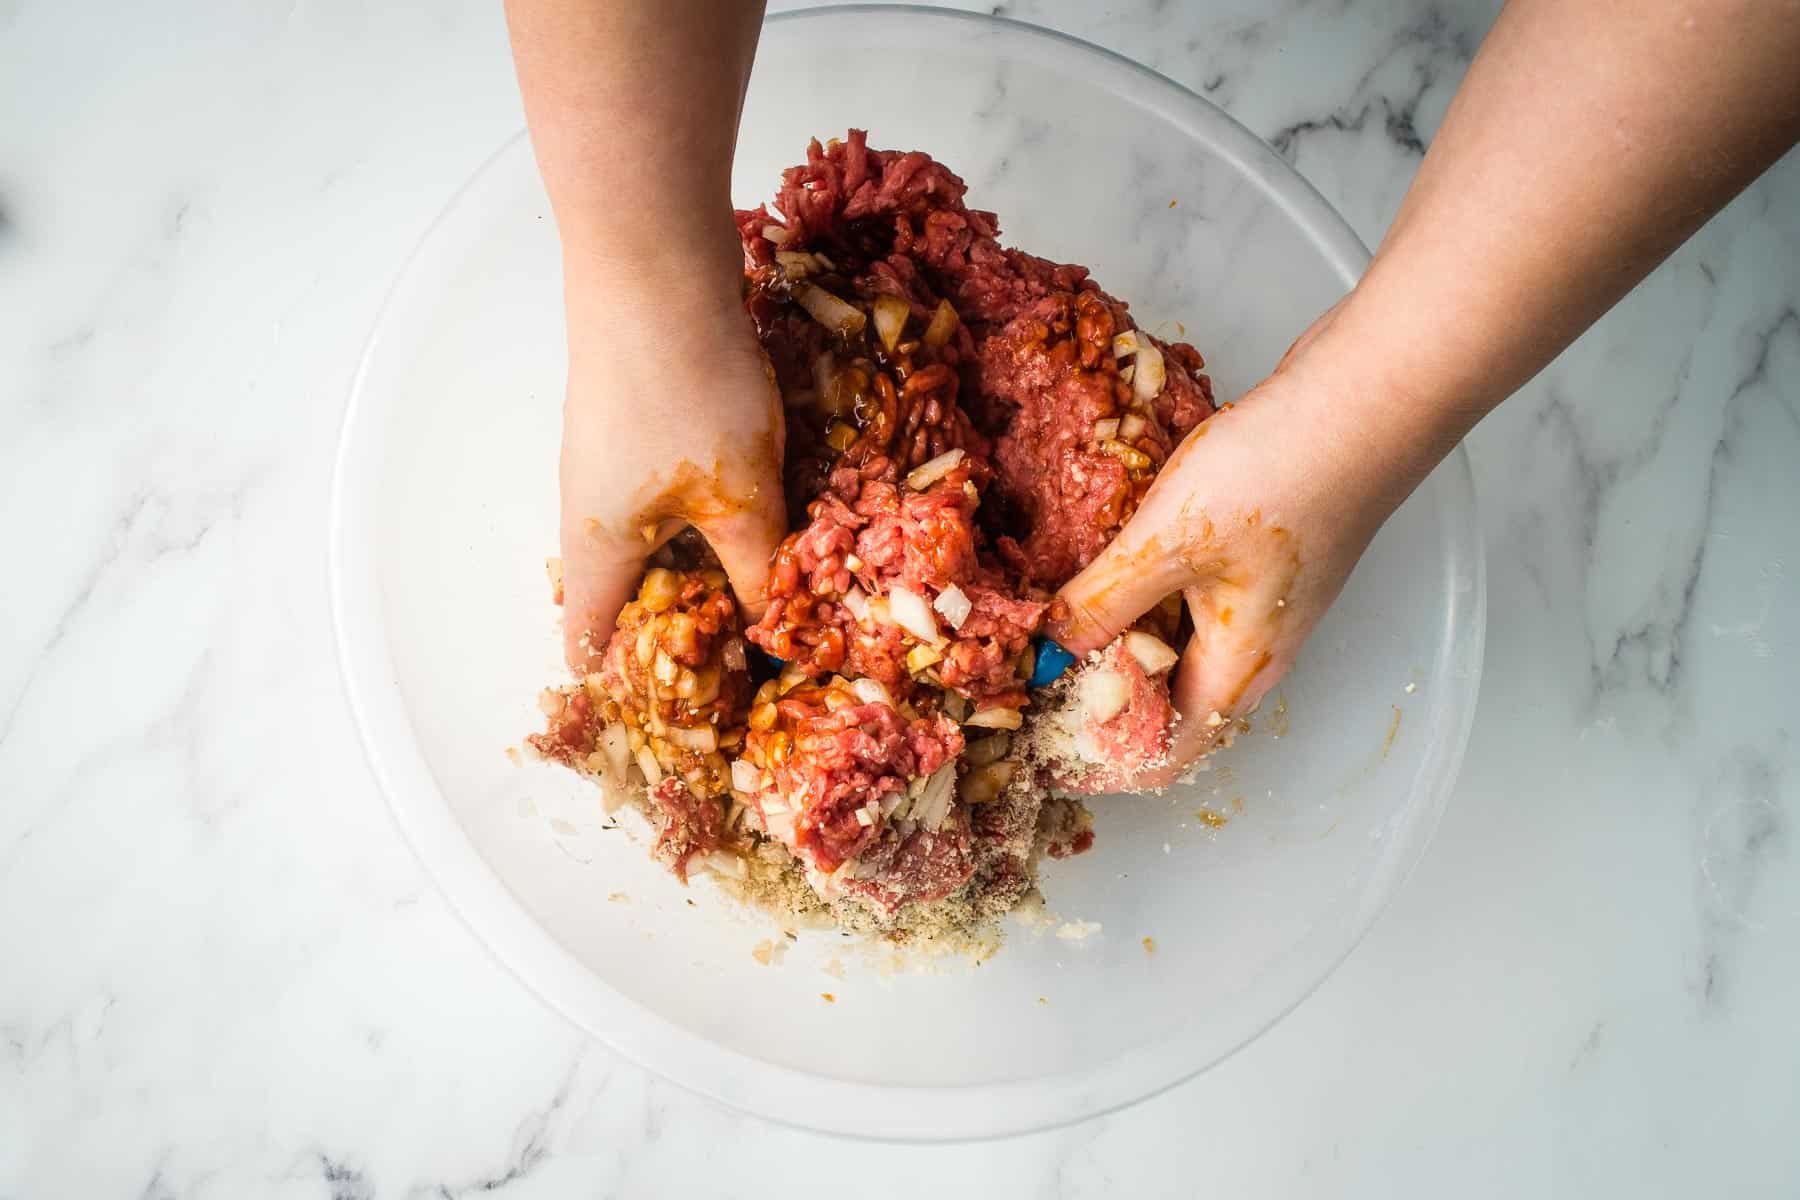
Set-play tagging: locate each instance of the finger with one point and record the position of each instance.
(745, 538)
(1221, 676)
(1130, 577)
(600, 573)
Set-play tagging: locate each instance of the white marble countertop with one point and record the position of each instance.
(223, 975)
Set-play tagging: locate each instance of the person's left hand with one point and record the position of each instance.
(672, 419)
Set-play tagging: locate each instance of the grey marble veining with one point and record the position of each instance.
(222, 975)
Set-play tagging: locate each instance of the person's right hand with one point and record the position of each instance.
(671, 419)
(1257, 520)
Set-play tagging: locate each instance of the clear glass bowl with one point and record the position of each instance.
(445, 508)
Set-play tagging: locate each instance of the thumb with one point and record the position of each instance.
(744, 537)
(1129, 578)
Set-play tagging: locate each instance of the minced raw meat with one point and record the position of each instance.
(1079, 448)
(1110, 721)
(669, 699)
(968, 425)
(833, 757)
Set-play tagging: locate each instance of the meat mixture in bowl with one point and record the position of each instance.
(968, 426)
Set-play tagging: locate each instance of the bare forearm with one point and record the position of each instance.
(1590, 138)
(633, 107)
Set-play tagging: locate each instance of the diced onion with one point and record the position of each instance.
(956, 705)
(984, 783)
(1152, 653)
(835, 880)
(1150, 372)
(721, 862)
(857, 601)
(1126, 344)
(995, 718)
(776, 234)
(1109, 428)
(954, 604)
(911, 613)
(928, 473)
(865, 818)
(797, 263)
(890, 319)
(1131, 456)
(1131, 427)
(933, 804)
(1126, 372)
(891, 801)
(704, 738)
(660, 590)
(780, 825)
(920, 658)
(943, 324)
(616, 742)
(1104, 695)
(841, 318)
(745, 777)
(871, 691)
(988, 749)
(646, 761)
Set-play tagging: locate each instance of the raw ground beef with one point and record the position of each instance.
(1110, 720)
(832, 758)
(669, 700)
(968, 426)
(1079, 448)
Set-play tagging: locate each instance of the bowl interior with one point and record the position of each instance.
(446, 510)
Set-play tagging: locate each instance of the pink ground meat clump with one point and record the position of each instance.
(831, 756)
(968, 425)
(1013, 365)
(1114, 724)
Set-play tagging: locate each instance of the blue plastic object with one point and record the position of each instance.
(771, 659)
(1052, 660)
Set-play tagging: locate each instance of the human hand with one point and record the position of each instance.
(1257, 519)
(671, 419)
